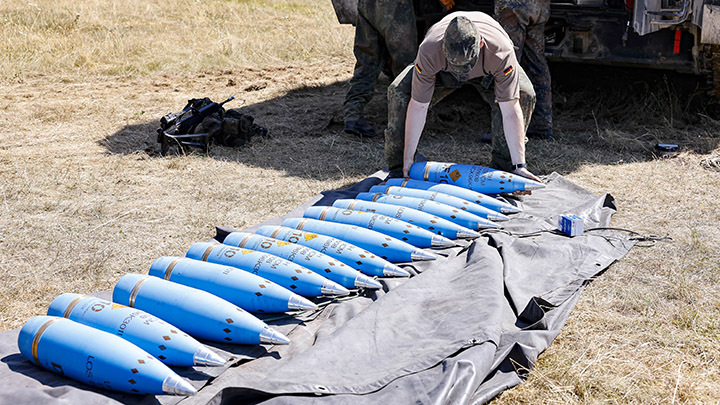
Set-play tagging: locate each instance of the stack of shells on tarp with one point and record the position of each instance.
(153, 320)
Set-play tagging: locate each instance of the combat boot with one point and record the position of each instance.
(359, 127)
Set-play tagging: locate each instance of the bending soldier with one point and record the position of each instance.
(463, 47)
(524, 21)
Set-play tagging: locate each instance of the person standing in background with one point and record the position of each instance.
(386, 39)
(524, 22)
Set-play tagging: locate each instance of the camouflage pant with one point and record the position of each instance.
(385, 34)
(399, 93)
(524, 21)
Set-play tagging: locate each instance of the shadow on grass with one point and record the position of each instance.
(602, 115)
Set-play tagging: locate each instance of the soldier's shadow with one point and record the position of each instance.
(306, 135)
(601, 116)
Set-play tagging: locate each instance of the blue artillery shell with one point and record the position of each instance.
(354, 256)
(91, 356)
(452, 214)
(318, 262)
(246, 290)
(478, 178)
(424, 220)
(442, 198)
(162, 340)
(404, 231)
(197, 312)
(294, 277)
(460, 192)
(388, 248)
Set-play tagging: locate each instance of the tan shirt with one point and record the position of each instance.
(496, 58)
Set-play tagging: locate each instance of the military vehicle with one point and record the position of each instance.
(677, 35)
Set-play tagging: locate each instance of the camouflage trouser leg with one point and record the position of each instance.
(524, 21)
(385, 32)
(500, 152)
(399, 29)
(398, 97)
(538, 71)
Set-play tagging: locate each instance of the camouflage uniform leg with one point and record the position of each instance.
(500, 153)
(513, 17)
(524, 21)
(396, 23)
(368, 63)
(537, 69)
(398, 97)
(384, 28)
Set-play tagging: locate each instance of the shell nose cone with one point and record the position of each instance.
(299, 303)
(421, 255)
(510, 209)
(174, 385)
(533, 185)
(497, 217)
(206, 357)
(363, 281)
(333, 288)
(467, 234)
(487, 224)
(439, 241)
(392, 270)
(271, 336)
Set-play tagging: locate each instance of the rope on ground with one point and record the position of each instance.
(637, 237)
(520, 235)
(652, 239)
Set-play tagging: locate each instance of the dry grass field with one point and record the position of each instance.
(85, 197)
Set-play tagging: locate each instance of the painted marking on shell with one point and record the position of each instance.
(36, 339)
(207, 253)
(135, 290)
(244, 241)
(170, 268)
(72, 305)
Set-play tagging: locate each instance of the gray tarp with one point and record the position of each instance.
(461, 330)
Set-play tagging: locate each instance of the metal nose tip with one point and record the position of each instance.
(439, 241)
(392, 270)
(421, 255)
(300, 303)
(363, 281)
(206, 357)
(533, 185)
(509, 209)
(174, 385)
(271, 336)
(487, 224)
(497, 217)
(467, 234)
(332, 288)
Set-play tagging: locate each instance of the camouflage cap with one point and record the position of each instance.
(461, 45)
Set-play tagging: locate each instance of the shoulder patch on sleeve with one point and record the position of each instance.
(418, 68)
(508, 70)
